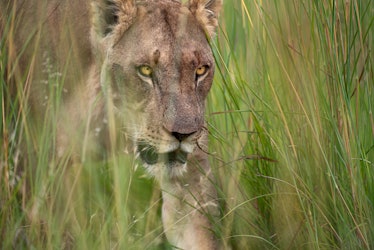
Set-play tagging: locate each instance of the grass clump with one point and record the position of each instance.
(295, 123)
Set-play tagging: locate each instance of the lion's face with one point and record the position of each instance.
(159, 72)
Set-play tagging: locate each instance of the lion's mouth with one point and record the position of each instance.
(150, 156)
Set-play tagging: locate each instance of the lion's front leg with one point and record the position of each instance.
(188, 211)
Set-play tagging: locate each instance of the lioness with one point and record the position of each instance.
(148, 69)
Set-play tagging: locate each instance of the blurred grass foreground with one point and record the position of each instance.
(291, 127)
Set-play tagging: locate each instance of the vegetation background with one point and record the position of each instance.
(291, 140)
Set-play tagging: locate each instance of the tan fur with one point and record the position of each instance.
(162, 114)
(206, 11)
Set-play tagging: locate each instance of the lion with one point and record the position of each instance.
(147, 70)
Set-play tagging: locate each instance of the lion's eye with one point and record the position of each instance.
(145, 70)
(200, 71)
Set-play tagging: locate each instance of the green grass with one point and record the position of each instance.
(291, 140)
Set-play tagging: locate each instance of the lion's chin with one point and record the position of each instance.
(149, 155)
(166, 164)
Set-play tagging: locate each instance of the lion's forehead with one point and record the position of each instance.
(169, 14)
(173, 31)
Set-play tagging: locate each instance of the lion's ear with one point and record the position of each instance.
(111, 16)
(206, 12)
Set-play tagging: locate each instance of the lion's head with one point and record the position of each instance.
(157, 69)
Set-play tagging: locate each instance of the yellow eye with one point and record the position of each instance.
(201, 70)
(145, 70)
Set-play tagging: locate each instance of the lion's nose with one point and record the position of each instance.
(181, 137)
